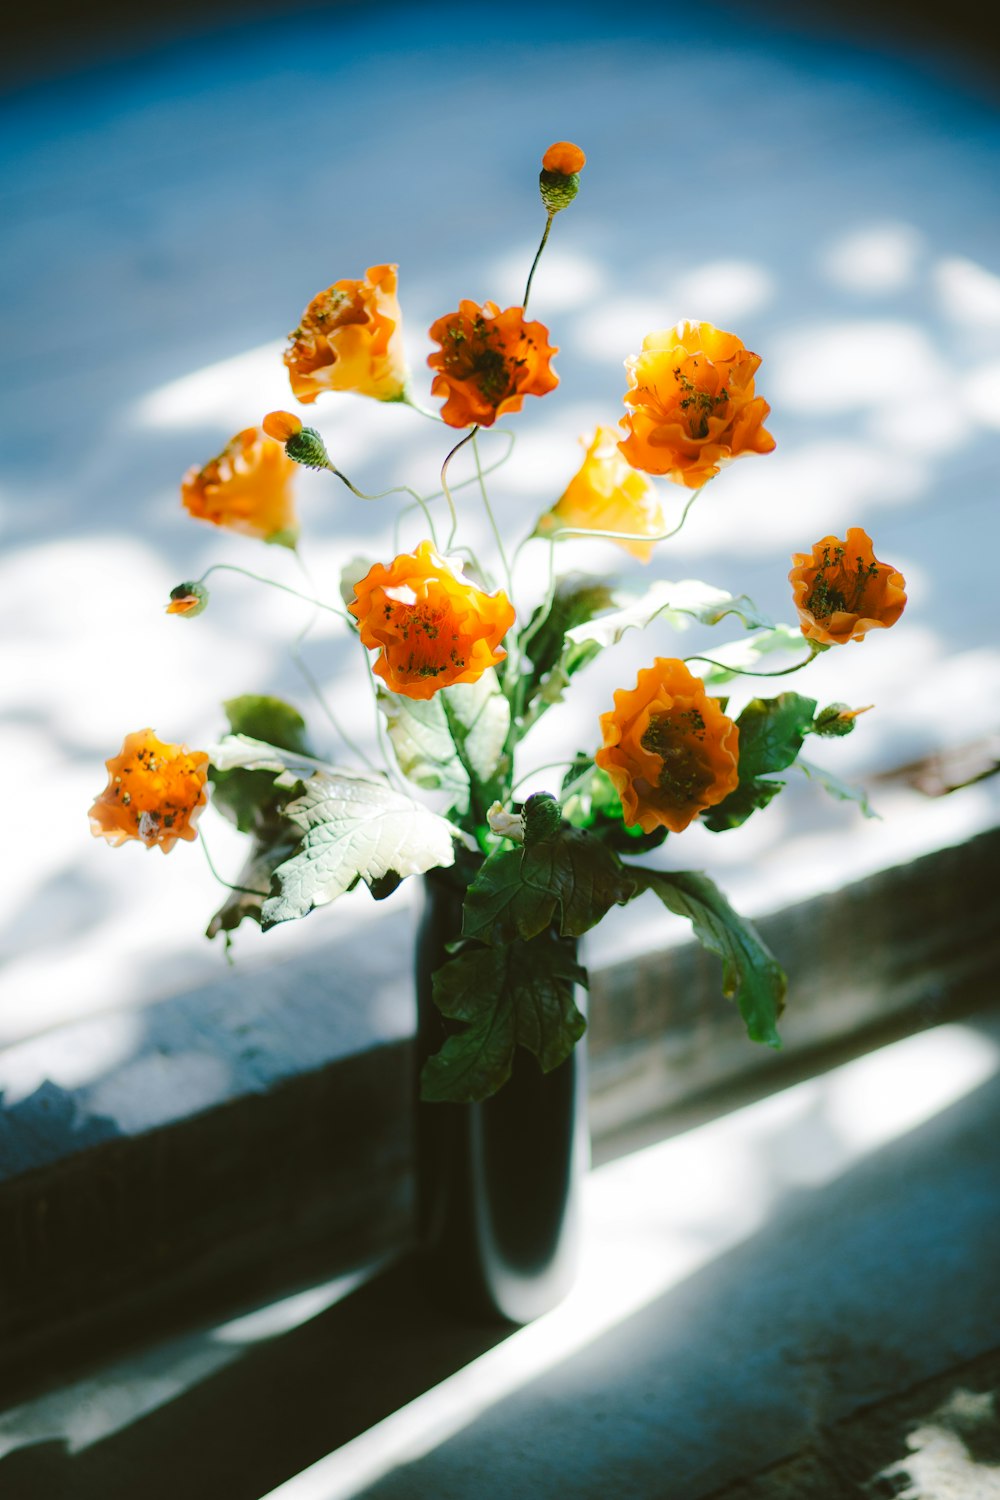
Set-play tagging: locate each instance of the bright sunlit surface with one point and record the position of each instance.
(166, 222)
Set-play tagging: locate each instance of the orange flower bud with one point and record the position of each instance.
(155, 793)
(607, 494)
(841, 590)
(248, 488)
(281, 425)
(564, 157)
(433, 629)
(693, 408)
(350, 338)
(668, 748)
(188, 599)
(488, 362)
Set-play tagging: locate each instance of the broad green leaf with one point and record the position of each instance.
(743, 655)
(518, 892)
(837, 788)
(771, 734)
(577, 598)
(423, 741)
(517, 994)
(678, 603)
(751, 975)
(270, 848)
(250, 798)
(355, 826)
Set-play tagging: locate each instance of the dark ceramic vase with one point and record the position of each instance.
(498, 1183)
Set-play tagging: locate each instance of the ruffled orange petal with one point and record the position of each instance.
(247, 488)
(488, 362)
(350, 338)
(607, 494)
(841, 590)
(155, 793)
(669, 750)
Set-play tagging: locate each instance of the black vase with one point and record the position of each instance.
(498, 1183)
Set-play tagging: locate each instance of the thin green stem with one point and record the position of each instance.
(538, 256)
(388, 754)
(446, 492)
(274, 584)
(624, 536)
(550, 765)
(244, 890)
(396, 489)
(745, 671)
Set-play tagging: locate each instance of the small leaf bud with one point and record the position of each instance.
(542, 818)
(837, 719)
(188, 599)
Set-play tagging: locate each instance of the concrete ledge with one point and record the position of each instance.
(122, 1203)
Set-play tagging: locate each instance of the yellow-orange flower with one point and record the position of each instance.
(432, 627)
(155, 793)
(488, 362)
(607, 494)
(841, 590)
(668, 748)
(247, 488)
(350, 338)
(693, 408)
(564, 157)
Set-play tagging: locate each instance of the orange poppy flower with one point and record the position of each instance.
(668, 748)
(488, 362)
(693, 408)
(350, 338)
(247, 488)
(565, 158)
(433, 628)
(155, 793)
(841, 590)
(607, 494)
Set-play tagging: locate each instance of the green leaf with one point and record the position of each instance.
(743, 655)
(678, 603)
(518, 994)
(577, 598)
(771, 734)
(837, 788)
(751, 975)
(423, 743)
(518, 892)
(250, 797)
(354, 825)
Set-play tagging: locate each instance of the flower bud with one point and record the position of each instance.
(506, 825)
(837, 719)
(542, 818)
(307, 448)
(559, 179)
(281, 425)
(188, 599)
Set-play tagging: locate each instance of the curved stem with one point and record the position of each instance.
(549, 765)
(446, 492)
(274, 584)
(745, 671)
(396, 489)
(624, 536)
(244, 890)
(538, 256)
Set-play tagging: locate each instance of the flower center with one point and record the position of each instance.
(475, 357)
(844, 590)
(698, 405)
(428, 641)
(675, 739)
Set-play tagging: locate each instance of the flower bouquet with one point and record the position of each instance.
(462, 668)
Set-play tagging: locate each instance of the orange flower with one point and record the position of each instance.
(668, 748)
(350, 338)
(434, 629)
(841, 589)
(489, 361)
(155, 793)
(607, 494)
(693, 405)
(248, 488)
(564, 157)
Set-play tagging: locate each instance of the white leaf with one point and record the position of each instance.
(240, 751)
(423, 743)
(355, 827)
(677, 601)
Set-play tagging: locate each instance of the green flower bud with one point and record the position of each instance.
(188, 599)
(542, 818)
(307, 448)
